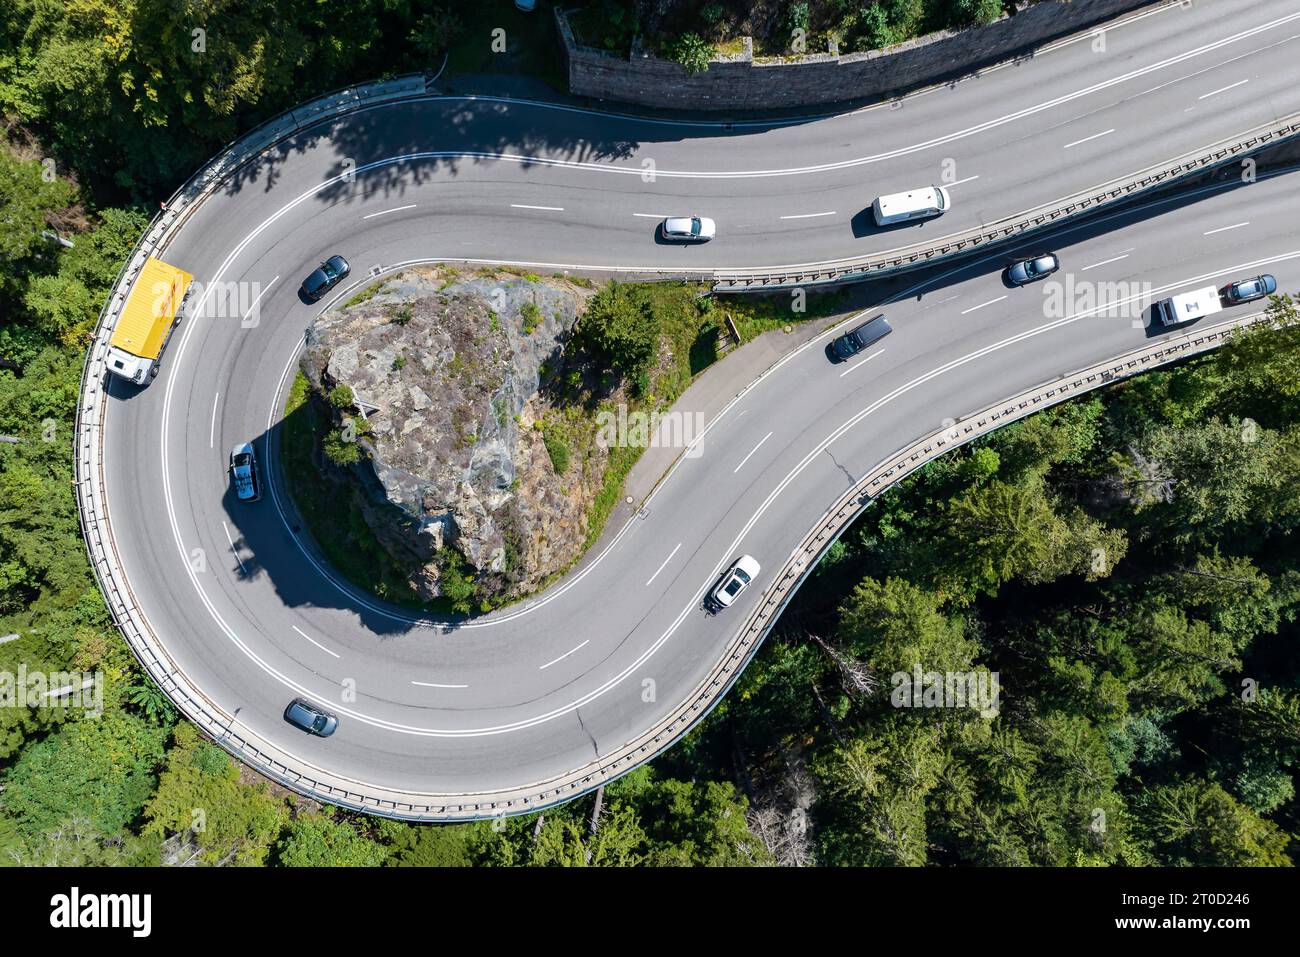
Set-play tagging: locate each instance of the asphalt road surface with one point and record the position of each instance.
(529, 693)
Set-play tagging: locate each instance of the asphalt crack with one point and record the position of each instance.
(847, 474)
(582, 724)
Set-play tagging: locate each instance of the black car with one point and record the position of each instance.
(1031, 270)
(1249, 290)
(855, 340)
(325, 277)
(305, 716)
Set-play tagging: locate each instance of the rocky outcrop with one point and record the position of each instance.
(444, 370)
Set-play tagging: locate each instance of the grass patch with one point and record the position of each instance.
(755, 315)
(531, 317)
(557, 449)
(364, 294)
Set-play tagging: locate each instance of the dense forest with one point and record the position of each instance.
(1124, 567)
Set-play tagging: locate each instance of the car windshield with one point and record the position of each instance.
(328, 269)
(740, 574)
(695, 227)
(242, 459)
(319, 723)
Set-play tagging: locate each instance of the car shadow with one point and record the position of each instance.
(864, 224)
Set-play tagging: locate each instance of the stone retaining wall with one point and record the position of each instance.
(741, 83)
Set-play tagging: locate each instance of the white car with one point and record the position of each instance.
(691, 229)
(735, 581)
(243, 471)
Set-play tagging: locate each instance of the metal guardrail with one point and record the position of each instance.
(869, 267)
(320, 784)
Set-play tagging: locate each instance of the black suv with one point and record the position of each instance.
(851, 343)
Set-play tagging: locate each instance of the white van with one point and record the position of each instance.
(914, 204)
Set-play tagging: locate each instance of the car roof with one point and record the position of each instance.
(891, 203)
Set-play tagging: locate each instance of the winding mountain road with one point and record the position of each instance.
(461, 715)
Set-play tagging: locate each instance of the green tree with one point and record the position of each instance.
(76, 843)
(28, 199)
(317, 840)
(871, 808)
(1001, 532)
(565, 842)
(1198, 822)
(200, 796)
(620, 325)
(691, 823)
(432, 845)
(1221, 472)
(692, 51)
(896, 625)
(101, 769)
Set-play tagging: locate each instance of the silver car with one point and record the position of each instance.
(305, 716)
(690, 229)
(1031, 270)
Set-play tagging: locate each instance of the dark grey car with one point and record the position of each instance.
(1031, 270)
(305, 716)
(325, 277)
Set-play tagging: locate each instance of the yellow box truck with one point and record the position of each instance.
(146, 321)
